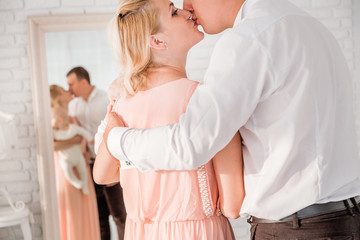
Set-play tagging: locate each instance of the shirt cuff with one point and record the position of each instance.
(114, 142)
(99, 135)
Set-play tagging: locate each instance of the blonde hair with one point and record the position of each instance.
(55, 93)
(129, 31)
(59, 116)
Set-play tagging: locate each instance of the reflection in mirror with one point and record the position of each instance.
(89, 49)
(84, 207)
(57, 44)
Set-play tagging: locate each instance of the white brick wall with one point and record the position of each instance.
(19, 172)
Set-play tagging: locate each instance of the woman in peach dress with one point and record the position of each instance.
(151, 40)
(78, 215)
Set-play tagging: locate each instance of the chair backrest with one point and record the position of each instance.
(18, 206)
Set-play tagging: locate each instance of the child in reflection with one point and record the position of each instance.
(71, 157)
(78, 215)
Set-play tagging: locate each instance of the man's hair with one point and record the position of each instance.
(80, 73)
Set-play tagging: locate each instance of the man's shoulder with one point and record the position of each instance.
(100, 94)
(262, 15)
(99, 90)
(99, 100)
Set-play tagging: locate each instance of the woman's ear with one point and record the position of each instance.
(156, 43)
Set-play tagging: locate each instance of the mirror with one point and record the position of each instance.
(42, 31)
(57, 44)
(89, 49)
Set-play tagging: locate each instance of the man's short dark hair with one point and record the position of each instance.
(80, 73)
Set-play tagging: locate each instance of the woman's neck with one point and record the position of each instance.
(157, 76)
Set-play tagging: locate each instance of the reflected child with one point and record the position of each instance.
(71, 157)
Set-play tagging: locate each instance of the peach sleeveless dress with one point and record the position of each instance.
(78, 214)
(168, 205)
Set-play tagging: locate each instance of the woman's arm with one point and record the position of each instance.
(228, 166)
(106, 168)
(61, 145)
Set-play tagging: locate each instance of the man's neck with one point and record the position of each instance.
(235, 10)
(88, 93)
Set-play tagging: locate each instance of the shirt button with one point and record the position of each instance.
(127, 163)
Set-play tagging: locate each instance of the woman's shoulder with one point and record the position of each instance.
(190, 86)
(186, 82)
(183, 86)
(173, 84)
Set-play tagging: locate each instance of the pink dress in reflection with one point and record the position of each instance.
(78, 214)
(168, 205)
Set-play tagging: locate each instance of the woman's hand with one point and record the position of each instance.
(106, 167)
(113, 120)
(109, 110)
(228, 166)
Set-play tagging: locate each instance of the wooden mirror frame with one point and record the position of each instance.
(37, 27)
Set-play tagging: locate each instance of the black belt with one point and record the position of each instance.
(316, 210)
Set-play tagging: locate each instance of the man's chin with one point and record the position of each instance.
(210, 31)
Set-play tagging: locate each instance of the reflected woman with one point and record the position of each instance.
(77, 211)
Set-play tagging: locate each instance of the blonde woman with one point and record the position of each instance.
(78, 214)
(151, 40)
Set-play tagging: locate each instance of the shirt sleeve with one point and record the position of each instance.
(99, 135)
(234, 83)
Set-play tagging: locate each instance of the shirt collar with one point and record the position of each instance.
(92, 94)
(241, 14)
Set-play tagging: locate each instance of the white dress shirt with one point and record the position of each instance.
(90, 113)
(281, 78)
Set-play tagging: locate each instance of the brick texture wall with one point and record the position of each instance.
(18, 172)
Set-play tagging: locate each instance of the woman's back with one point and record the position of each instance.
(163, 197)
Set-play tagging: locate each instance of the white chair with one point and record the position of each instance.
(17, 214)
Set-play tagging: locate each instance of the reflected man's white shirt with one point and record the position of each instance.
(89, 113)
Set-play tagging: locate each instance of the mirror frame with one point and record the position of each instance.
(37, 27)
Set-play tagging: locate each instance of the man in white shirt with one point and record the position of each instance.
(279, 77)
(89, 108)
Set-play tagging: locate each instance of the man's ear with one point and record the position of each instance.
(156, 43)
(83, 81)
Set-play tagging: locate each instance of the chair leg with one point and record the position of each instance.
(25, 227)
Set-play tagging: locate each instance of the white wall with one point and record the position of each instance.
(356, 33)
(89, 49)
(19, 172)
